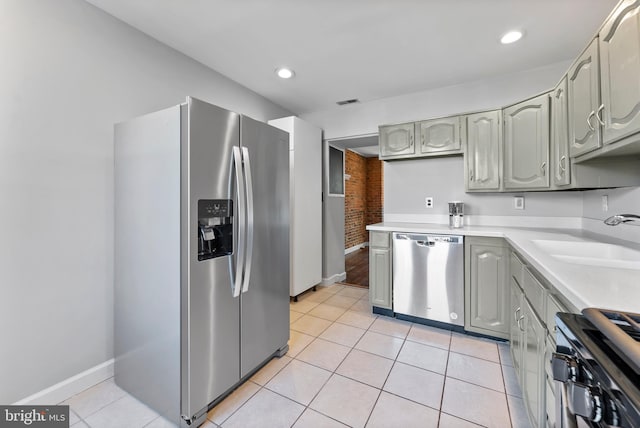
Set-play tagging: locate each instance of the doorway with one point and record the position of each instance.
(363, 204)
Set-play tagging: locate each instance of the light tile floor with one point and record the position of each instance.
(349, 368)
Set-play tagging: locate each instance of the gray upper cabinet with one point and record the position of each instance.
(620, 68)
(397, 141)
(434, 137)
(526, 144)
(487, 286)
(584, 101)
(560, 162)
(440, 136)
(482, 163)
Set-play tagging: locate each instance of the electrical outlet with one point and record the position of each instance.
(428, 202)
(518, 202)
(605, 203)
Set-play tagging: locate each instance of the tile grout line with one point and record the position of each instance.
(444, 380)
(444, 385)
(332, 373)
(239, 407)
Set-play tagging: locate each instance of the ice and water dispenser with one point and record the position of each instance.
(215, 228)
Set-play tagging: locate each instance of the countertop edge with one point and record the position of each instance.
(557, 273)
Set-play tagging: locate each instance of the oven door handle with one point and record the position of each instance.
(564, 417)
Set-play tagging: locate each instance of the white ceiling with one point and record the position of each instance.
(365, 49)
(366, 146)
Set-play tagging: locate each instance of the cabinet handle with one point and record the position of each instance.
(470, 175)
(598, 115)
(542, 167)
(411, 140)
(593, 113)
(515, 315)
(561, 166)
(422, 138)
(520, 325)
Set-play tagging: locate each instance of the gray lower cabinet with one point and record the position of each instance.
(560, 163)
(483, 153)
(397, 141)
(533, 374)
(527, 335)
(486, 286)
(526, 144)
(516, 330)
(584, 101)
(380, 269)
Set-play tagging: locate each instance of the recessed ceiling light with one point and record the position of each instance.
(285, 73)
(510, 37)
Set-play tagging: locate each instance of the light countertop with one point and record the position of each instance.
(582, 285)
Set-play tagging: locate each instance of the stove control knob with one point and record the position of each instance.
(564, 368)
(585, 401)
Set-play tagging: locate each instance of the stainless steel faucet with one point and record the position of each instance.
(621, 218)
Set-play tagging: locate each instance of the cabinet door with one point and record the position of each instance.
(620, 72)
(482, 165)
(584, 99)
(440, 135)
(534, 377)
(397, 140)
(516, 331)
(486, 287)
(380, 277)
(560, 165)
(526, 144)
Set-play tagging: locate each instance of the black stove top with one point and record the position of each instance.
(607, 346)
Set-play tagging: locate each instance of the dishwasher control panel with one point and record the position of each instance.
(449, 239)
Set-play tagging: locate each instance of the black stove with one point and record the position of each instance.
(597, 360)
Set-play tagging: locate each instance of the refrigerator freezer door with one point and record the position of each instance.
(210, 313)
(265, 306)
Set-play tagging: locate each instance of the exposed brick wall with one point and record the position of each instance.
(363, 197)
(375, 192)
(355, 199)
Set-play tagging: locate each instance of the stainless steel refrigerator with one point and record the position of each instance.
(201, 255)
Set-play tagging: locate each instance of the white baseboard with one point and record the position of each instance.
(339, 277)
(355, 248)
(66, 389)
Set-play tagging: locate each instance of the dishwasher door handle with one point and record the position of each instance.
(425, 243)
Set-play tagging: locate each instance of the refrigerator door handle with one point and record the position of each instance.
(249, 247)
(240, 215)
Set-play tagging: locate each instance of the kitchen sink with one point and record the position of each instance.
(591, 253)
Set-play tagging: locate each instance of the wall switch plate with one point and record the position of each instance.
(428, 202)
(605, 203)
(518, 202)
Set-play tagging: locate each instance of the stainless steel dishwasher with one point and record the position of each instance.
(428, 276)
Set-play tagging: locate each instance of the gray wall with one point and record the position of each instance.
(69, 72)
(407, 183)
(491, 93)
(625, 200)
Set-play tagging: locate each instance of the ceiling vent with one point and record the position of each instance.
(345, 102)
